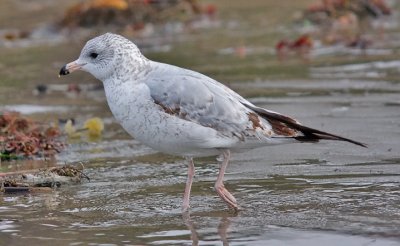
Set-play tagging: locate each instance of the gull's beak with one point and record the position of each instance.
(69, 68)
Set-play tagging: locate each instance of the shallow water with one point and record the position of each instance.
(330, 193)
(305, 202)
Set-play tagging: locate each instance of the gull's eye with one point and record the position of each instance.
(93, 55)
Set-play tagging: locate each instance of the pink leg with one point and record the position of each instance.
(186, 196)
(219, 185)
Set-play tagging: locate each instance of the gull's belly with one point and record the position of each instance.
(143, 120)
(168, 134)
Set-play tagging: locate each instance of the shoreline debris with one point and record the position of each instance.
(92, 129)
(349, 25)
(301, 46)
(42, 180)
(21, 137)
(128, 12)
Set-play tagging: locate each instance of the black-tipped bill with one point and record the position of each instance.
(69, 68)
(64, 70)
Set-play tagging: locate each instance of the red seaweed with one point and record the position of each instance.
(21, 137)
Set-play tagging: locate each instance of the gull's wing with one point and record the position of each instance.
(195, 97)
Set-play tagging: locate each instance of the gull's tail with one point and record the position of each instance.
(290, 127)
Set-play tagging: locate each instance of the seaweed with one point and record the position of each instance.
(21, 137)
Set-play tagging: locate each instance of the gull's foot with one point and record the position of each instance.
(227, 197)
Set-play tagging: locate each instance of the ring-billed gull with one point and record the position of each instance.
(182, 112)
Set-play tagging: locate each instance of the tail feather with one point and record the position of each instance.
(309, 134)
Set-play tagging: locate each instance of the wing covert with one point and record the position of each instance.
(197, 98)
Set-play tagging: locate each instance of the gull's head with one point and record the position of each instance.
(103, 56)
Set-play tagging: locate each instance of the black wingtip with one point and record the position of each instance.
(354, 142)
(360, 144)
(315, 135)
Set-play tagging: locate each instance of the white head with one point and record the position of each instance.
(105, 56)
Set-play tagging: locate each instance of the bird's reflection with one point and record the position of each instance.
(190, 225)
(222, 228)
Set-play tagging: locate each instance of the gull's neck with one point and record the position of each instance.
(129, 69)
